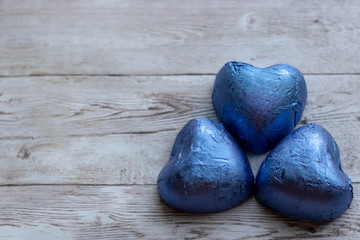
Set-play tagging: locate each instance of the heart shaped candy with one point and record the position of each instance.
(259, 106)
(207, 170)
(302, 177)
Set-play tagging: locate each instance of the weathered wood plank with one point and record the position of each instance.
(122, 212)
(142, 37)
(120, 130)
(95, 106)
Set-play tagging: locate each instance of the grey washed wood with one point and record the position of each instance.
(93, 93)
(122, 212)
(120, 130)
(138, 37)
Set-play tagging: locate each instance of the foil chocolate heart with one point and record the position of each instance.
(259, 106)
(207, 170)
(302, 177)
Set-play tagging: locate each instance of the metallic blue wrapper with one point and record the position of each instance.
(207, 171)
(259, 106)
(302, 177)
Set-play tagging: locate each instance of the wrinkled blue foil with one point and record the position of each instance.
(207, 171)
(259, 106)
(302, 177)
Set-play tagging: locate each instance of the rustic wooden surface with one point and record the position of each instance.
(93, 93)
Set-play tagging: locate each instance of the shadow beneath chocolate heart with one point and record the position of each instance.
(249, 215)
(302, 227)
(173, 213)
(256, 160)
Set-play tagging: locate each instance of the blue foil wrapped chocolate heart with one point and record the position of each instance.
(259, 106)
(207, 170)
(302, 177)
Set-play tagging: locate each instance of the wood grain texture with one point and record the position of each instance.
(141, 37)
(83, 138)
(120, 130)
(134, 212)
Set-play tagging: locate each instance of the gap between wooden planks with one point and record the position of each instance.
(120, 130)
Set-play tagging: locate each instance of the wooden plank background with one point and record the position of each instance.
(93, 93)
